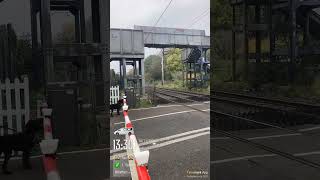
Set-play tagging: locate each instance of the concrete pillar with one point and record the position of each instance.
(46, 37)
(201, 65)
(246, 43)
(271, 32)
(293, 39)
(258, 35)
(136, 73)
(83, 21)
(77, 25)
(306, 36)
(233, 44)
(162, 68)
(142, 77)
(34, 24)
(124, 73)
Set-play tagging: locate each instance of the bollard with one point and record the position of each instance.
(49, 147)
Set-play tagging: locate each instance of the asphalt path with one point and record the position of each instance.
(231, 159)
(177, 138)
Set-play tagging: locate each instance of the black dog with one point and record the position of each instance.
(24, 142)
(116, 106)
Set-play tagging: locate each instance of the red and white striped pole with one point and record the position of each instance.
(49, 147)
(141, 158)
(125, 113)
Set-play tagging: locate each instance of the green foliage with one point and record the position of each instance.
(152, 68)
(173, 60)
(222, 45)
(221, 13)
(144, 103)
(114, 78)
(178, 85)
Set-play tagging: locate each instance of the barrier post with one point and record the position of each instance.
(140, 157)
(49, 146)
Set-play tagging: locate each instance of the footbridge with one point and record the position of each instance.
(159, 37)
(127, 47)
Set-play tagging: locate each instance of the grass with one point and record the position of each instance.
(144, 103)
(178, 85)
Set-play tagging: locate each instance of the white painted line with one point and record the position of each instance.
(175, 136)
(275, 136)
(262, 137)
(241, 158)
(168, 114)
(261, 156)
(309, 129)
(167, 138)
(308, 153)
(174, 141)
(162, 144)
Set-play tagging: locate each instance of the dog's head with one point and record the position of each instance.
(120, 102)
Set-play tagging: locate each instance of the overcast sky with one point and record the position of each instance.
(180, 14)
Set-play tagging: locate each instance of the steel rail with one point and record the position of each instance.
(268, 100)
(264, 147)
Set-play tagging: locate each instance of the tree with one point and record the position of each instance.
(153, 68)
(114, 78)
(221, 14)
(173, 60)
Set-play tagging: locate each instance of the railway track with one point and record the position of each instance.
(249, 112)
(271, 103)
(282, 113)
(170, 95)
(176, 97)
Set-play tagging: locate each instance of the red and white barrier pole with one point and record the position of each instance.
(140, 158)
(49, 147)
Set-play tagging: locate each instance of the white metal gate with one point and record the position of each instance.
(114, 94)
(14, 105)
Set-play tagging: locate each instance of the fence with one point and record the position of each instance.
(114, 94)
(14, 105)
